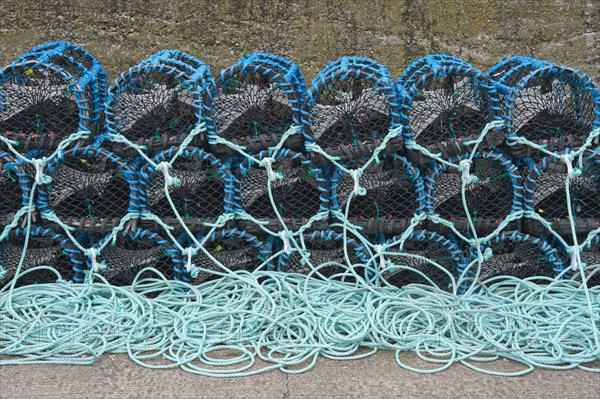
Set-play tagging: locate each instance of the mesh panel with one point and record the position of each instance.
(448, 103)
(11, 194)
(133, 252)
(431, 246)
(45, 248)
(518, 255)
(511, 70)
(88, 183)
(498, 192)
(545, 194)
(234, 249)
(298, 194)
(251, 102)
(351, 107)
(426, 62)
(202, 192)
(394, 192)
(323, 247)
(549, 105)
(152, 101)
(41, 101)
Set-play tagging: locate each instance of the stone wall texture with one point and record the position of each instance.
(310, 32)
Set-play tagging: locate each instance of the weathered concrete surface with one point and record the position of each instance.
(115, 376)
(310, 32)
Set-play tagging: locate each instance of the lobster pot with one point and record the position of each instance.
(433, 246)
(47, 96)
(255, 102)
(508, 72)
(233, 249)
(321, 247)
(591, 257)
(298, 195)
(89, 183)
(448, 101)
(552, 106)
(73, 54)
(15, 188)
(497, 194)
(395, 193)
(352, 106)
(156, 103)
(284, 67)
(545, 194)
(132, 252)
(515, 254)
(46, 247)
(427, 62)
(205, 191)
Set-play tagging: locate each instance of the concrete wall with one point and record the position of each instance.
(310, 32)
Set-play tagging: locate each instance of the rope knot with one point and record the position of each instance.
(287, 248)
(271, 174)
(189, 266)
(40, 177)
(571, 171)
(575, 257)
(380, 250)
(358, 190)
(465, 168)
(93, 254)
(169, 180)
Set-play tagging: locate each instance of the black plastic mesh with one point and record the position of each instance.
(521, 256)
(591, 256)
(350, 111)
(150, 104)
(41, 102)
(11, 195)
(296, 195)
(248, 105)
(447, 106)
(45, 248)
(431, 246)
(545, 191)
(201, 194)
(234, 249)
(322, 247)
(394, 192)
(133, 252)
(490, 200)
(549, 106)
(88, 184)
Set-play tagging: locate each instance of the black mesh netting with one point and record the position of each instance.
(351, 108)
(299, 194)
(322, 252)
(520, 255)
(448, 102)
(545, 194)
(395, 192)
(88, 183)
(152, 101)
(430, 245)
(39, 100)
(551, 105)
(134, 251)
(235, 249)
(496, 194)
(203, 192)
(45, 247)
(252, 103)
(591, 256)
